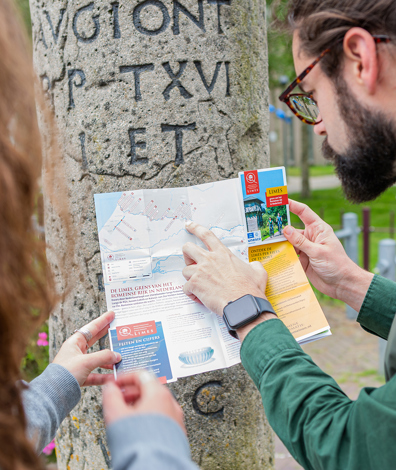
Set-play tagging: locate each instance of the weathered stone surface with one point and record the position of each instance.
(153, 94)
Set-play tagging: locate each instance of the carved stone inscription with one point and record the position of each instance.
(183, 82)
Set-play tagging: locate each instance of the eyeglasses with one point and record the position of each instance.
(302, 104)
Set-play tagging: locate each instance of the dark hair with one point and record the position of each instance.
(321, 23)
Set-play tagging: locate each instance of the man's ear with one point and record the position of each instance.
(361, 59)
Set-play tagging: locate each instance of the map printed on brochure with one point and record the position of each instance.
(141, 235)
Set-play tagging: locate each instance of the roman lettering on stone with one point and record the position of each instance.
(178, 130)
(40, 36)
(157, 5)
(116, 23)
(75, 78)
(55, 32)
(137, 71)
(209, 86)
(176, 80)
(82, 36)
(152, 94)
(135, 145)
(179, 8)
(227, 67)
(219, 3)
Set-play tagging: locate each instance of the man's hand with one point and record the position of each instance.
(73, 354)
(324, 259)
(215, 276)
(139, 393)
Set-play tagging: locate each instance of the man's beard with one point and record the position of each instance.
(367, 167)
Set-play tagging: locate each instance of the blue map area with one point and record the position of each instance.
(106, 204)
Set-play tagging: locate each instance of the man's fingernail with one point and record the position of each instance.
(117, 356)
(288, 230)
(189, 222)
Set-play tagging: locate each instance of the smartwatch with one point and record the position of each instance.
(243, 311)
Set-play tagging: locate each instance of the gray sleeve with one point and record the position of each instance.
(47, 401)
(151, 441)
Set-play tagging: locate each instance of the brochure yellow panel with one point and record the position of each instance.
(288, 289)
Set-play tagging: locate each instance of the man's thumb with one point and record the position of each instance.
(298, 240)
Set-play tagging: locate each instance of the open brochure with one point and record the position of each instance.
(141, 235)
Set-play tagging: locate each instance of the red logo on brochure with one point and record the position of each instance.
(136, 330)
(251, 182)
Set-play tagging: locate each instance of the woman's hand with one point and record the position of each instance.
(139, 393)
(73, 353)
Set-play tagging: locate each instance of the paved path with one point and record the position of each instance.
(350, 356)
(316, 182)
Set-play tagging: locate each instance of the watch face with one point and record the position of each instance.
(241, 310)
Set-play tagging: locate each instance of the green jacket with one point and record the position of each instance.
(321, 427)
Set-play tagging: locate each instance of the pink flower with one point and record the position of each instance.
(49, 448)
(42, 341)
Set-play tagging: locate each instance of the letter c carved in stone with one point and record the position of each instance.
(207, 400)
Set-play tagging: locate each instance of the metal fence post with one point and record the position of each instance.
(350, 222)
(366, 238)
(349, 234)
(387, 268)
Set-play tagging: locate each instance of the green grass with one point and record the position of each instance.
(331, 203)
(314, 170)
(356, 377)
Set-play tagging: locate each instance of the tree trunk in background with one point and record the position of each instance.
(305, 190)
(153, 94)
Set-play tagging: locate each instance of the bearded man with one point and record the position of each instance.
(345, 58)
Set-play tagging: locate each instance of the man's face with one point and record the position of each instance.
(359, 141)
(324, 93)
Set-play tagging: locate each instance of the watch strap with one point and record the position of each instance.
(265, 306)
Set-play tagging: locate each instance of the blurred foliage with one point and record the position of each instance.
(314, 170)
(33, 364)
(24, 8)
(36, 358)
(280, 57)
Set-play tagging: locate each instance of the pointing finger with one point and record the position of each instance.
(207, 237)
(192, 253)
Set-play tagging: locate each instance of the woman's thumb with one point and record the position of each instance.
(114, 406)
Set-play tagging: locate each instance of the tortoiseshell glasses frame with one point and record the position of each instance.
(305, 101)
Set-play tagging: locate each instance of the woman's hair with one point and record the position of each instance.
(323, 23)
(26, 286)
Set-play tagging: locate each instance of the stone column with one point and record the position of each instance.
(152, 94)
